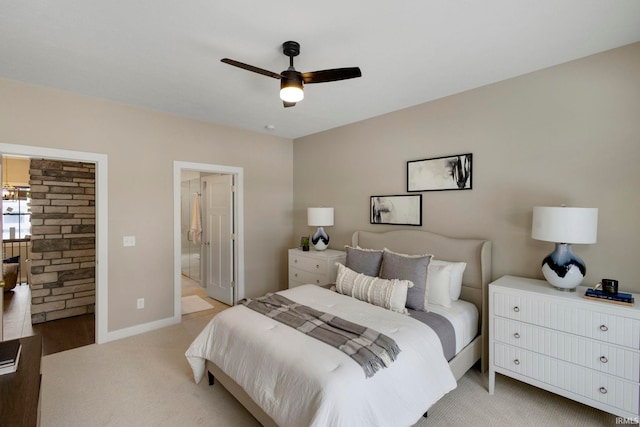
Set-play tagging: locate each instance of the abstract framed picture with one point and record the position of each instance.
(396, 209)
(440, 173)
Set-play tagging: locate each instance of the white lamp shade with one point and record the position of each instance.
(565, 225)
(320, 217)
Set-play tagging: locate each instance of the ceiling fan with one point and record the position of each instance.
(291, 81)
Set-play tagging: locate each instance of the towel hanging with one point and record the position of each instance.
(195, 230)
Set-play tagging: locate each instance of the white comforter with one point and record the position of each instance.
(300, 381)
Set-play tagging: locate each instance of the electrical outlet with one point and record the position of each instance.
(129, 241)
(140, 303)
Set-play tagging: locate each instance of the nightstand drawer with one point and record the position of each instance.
(313, 267)
(298, 275)
(308, 264)
(592, 354)
(582, 382)
(574, 318)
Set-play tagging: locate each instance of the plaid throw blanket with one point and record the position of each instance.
(370, 349)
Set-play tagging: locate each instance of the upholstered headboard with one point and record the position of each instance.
(475, 252)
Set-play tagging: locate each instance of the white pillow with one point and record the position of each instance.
(456, 276)
(439, 285)
(389, 294)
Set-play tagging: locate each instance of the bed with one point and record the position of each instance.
(285, 378)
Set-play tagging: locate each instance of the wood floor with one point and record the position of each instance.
(72, 332)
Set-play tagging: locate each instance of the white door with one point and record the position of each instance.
(218, 237)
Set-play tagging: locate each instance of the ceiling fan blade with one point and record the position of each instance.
(331, 75)
(251, 68)
(288, 104)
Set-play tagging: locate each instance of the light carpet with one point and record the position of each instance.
(145, 380)
(194, 303)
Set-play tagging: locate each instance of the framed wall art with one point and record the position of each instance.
(396, 209)
(440, 173)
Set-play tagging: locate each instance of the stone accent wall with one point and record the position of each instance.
(63, 219)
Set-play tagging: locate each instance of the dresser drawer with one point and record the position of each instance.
(294, 283)
(306, 277)
(592, 354)
(585, 383)
(574, 318)
(308, 264)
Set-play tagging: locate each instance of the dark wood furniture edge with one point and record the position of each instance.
(20, 391)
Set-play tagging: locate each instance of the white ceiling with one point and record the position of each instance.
(165, 55)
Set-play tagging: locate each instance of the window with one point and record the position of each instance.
(16, 213)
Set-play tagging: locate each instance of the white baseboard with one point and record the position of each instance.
(139, 329)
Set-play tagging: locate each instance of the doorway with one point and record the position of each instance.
(101, 220)
(207, 241)
(217, 230)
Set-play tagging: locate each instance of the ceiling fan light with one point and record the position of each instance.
(291, 87)
(291, 94)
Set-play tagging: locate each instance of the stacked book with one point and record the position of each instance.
(9, 356)
(619, 298)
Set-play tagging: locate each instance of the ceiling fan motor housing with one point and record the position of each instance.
(291, 78)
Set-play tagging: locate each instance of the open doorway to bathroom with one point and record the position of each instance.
(209, 258)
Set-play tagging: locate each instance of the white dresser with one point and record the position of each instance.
(314, 267)
(588, 351)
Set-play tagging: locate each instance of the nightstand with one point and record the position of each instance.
(585, 350)
(314, 267)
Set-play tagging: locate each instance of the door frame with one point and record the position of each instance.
(238, 172)
(102, 220)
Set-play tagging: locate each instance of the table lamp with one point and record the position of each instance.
(564, 226)
(320, 217)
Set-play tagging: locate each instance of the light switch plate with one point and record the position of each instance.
(129, 241)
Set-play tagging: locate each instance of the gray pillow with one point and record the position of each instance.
(408, 267)
(365, 261)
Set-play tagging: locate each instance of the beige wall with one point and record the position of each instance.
(564, 135)
(568, 134)
(141, 146)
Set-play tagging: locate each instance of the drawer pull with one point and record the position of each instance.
(604, 328)
(516, 362)
(603, 359)
(317, 265)
(516, 335)
(516, 309)
(295, 261)
(603, 390)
